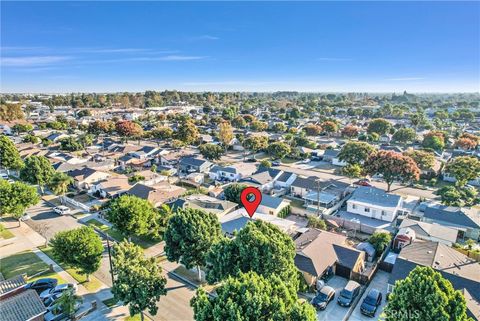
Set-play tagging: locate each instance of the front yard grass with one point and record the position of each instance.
(27, 263)
(142, 241)
(92, 285)
(4, 233)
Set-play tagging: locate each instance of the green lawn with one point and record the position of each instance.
(289, 160)
(136, 317)
(92, 285)
(29, 263)
(4, 233)
(143, 241)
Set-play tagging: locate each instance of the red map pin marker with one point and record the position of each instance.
(249, 204)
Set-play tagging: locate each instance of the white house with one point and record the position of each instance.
(85, 178)
(228, 173)
(272, 205)
(375, 203)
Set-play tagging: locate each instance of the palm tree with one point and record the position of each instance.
(59, 184)
(68, 303)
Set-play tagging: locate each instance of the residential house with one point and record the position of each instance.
(224, 173)
(192, 164)
(205, 203)
(423, 231)
(319, 252)
(157, 194)
(17, 303)
(272, 205)
(112, 187)
(145, 152)
(465, 220)
(55, 137)
(85, 178)
(375, 203)
(264, 179)
(150, 178)
(456, 267)
(315, 191)
(331, 156)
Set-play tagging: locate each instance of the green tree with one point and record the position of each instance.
(131, 215)
(81, 248)
(393, 167)
(31, 139)
(260, 247)
(251, 297)
(139, 282)
(425, 160)
(255, 143)
(428, 295)
(458, 196)
(128, 129)
(464, 169)
(189, 236)
(265, 163)
(434, 140)
(352, 171)
(16, 198)
(162, 133)
(67, 302)
(37, 170)
(71, 144)
(9, 156)
(404, 135)
(316, 222)
(187, 132)
(278, 150)
(258, 126)
(279, 127)
(379, 126)
(233, 191)
(59, 184)
(380, 240)
(211, 151)
(356, 152)
(329, 127)
(22, 128)
(225, 133)
(239, 122)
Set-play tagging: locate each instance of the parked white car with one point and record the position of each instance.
(62, 210)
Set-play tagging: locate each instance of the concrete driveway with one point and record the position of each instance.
(334, 312)
(378, 282)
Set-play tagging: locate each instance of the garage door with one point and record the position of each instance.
(342, 271)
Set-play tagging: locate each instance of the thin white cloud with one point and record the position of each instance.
(111, 50)
(406, 79)
(205, 37)
(181, 58)
(29, 61)
(333, 59)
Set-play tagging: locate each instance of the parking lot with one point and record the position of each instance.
(334, 312)
(378, 282)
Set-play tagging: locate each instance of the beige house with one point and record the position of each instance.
(85, 178)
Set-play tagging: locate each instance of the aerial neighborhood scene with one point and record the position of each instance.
(240, 161)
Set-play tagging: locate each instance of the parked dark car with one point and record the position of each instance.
(324, 296)
(371, 303)
(348, 294)
(41, 285)
(276, 163)
(56, 290)
(250, 160)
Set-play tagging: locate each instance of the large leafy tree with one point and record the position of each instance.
(162, 133)
(9, 156)
(127, 128)
(59, 183)
(329, 127)
(260, 247)
(379, 126)
(139, 282)
(225, 133)
(464, 169)
(312, 130)
(187, 132)
(459, 195)
(10, 112)
(132, 215)
(16, 197)
(255, 143)
(393, 167)
(189, 236)
(81, 248)
(428, 296)
(404, 135)
(233, 191)
(350, 131)
(434, 140)
(37, 170)
(356, 152)
(278, 150)
(380, 241)
(425, 160)
(251, 297)
(211, 151)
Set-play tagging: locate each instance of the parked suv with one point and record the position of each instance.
(348, 294)
(62, 210)
(41, 285)
(324, 296)
(371, 303)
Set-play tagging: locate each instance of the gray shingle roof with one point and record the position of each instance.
(22, 307)
(11, 284)
(375, 196)
(270, 201)
(453, 215)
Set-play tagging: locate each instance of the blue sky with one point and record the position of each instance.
(247, 46)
